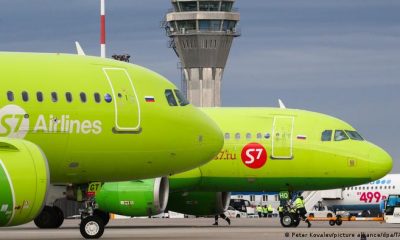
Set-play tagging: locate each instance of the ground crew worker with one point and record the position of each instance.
(300, 209)
(265, 211)
(259, 211)
(223, 216)
(280, 211)
(270, 210)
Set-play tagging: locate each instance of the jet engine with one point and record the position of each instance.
(134, 198)
(24, 180)
(199, 203)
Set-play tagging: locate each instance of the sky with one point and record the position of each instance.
(340, 57)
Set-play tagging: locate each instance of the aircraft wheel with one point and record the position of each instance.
(238, 216)
(286, 220)
(339, 221)
(92, 227)
(50, 217)
(296, 222)
(103, 215)
(59, 217)
(332, 222)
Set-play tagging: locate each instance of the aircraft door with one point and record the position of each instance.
(127, 109)
(282, 140)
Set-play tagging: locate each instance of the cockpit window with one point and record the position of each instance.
(354, 135)
(181, 99)
(326, 135)
(340, 135)
(170, 97)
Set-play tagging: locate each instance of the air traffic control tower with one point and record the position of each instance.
(201, 33)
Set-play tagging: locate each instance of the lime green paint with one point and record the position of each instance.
(310, 164)
(132, 198)
(6, 198)
(126, 139)
(28, 181)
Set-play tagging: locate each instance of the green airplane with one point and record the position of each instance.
(67, 122)
(266, 149)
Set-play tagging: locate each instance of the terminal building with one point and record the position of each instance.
(201, 33)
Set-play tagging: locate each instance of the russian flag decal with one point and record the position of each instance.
(149, 99)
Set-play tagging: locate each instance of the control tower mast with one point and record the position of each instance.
(201, 34)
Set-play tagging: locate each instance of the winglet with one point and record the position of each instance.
(79, 49)
(281, 105)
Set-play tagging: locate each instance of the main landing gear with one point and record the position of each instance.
(50, 217)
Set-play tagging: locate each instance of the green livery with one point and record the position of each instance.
(69, 120)
(6, 197)
(85, 137)
(272, 150)
(297, 158)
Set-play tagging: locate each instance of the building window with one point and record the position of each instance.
(68, 96)
(189, 6)
(10, 96)
(226, 6)
(252, 198)
(265, 198)
(54, 97)
(39, 96)
(25, 96)
(259, 136)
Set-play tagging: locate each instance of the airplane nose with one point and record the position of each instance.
(380, 164)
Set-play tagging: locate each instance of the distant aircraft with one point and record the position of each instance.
(364, 199)
(266, 149)
(68, 121)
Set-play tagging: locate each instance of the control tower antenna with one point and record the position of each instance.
(201, 33)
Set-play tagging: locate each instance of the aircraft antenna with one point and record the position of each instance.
(281, 105)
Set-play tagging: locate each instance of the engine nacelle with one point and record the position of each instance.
(134, 198)
(199, 203)
(24, 179)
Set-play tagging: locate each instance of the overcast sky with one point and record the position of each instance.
(338, 57)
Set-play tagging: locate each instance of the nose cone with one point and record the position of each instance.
(201, 140)
(380, 163)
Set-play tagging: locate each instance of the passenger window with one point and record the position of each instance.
(227, 136)
(107, 98)
(10, 96)
(83, 97)
(170, 98)
(237, 136)
(340, 135)
(259, 135)
(68, 96)
(182, 99)
(39, 96)
(54, 97)
(97, 97)
(25, 96)
(248, 136)
(326, 135)
(354, 135)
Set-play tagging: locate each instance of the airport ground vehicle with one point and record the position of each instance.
(392, 209)
(234, 213)
(322, 212)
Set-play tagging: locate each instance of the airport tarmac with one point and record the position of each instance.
(201, 228)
